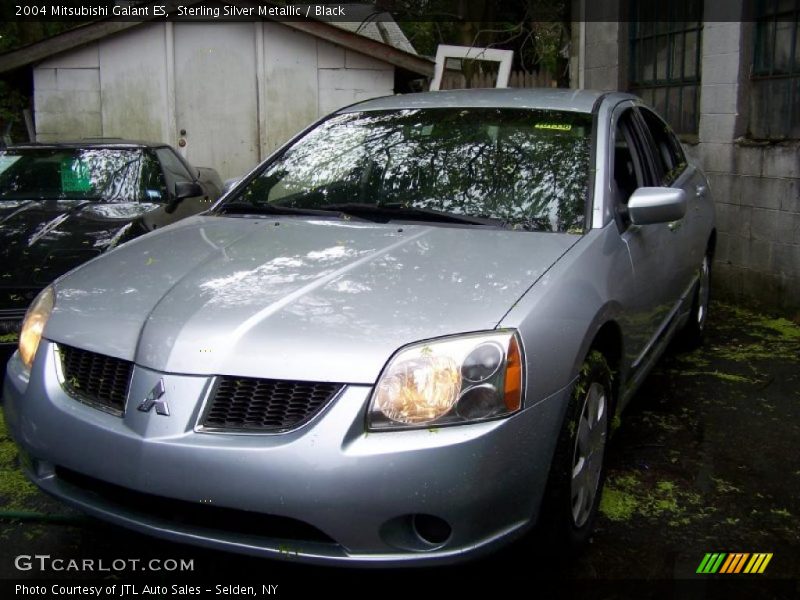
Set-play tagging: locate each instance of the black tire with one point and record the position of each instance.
(695, 328)
(563, 524)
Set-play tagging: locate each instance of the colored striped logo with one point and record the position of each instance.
(734, 562)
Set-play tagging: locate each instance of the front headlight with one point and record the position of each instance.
(32, 327)
(461, 379)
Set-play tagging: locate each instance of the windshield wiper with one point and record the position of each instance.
(386, 212)
(247, 208)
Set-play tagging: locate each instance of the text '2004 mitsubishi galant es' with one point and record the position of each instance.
(403, 337)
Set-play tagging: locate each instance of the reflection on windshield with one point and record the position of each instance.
(107, 174)
(527, 168)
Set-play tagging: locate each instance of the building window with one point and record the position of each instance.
(775, 98)
(665, 60)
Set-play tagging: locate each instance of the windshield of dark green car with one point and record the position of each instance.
(524, 169)
(100, 174)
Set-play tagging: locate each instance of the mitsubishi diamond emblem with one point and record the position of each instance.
(154, 398)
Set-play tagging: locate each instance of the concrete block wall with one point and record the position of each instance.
(756, 186)
(602, 68)
(757, 193)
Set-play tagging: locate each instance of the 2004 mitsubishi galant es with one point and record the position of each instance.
(401, 338)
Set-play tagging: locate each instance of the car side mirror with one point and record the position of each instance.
(229, 185)
(183, 190)
(649, 205)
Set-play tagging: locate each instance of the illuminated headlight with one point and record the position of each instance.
(453, 380)
(32, 327)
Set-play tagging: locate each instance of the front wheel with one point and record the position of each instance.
(577, 473)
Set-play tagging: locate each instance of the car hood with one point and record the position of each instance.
(43, 239)
(294, 298)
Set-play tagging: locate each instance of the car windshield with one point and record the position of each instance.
(100, 174)
(521, 168)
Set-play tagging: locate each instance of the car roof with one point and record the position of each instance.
(89, 143)
(530, 98)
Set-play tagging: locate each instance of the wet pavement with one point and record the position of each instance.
(705, 459)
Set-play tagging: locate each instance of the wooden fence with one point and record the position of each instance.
(454, 80)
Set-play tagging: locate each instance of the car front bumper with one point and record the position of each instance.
(362, 490)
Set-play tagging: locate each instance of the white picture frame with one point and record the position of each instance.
(444, 51)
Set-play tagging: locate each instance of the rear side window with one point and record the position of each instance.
(670, 161)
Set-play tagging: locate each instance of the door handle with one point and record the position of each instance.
(700, 191)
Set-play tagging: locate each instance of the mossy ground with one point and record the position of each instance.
(15, 490)
(706, 455)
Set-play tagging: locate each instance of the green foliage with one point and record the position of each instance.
(616, 423)
(12, 103)
(724, 487)
(727, 377)
(425, 36)
(779, 329)
(15, 489)
(15, 92)
(617, 505)
(536, 30)
(594, 359)
(626, 497)
(757, 339)
(15, 33)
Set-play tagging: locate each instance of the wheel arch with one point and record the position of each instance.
(607, 338)
(608, 341)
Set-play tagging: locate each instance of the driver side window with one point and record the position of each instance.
(628, 167)
(174, 171)
(153, 186)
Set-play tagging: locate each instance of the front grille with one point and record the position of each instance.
(10, 324)
(99, 380)
(194, 515)
(247, 404)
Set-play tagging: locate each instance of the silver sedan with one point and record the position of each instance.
(403, 337)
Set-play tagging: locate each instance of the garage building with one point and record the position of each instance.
(226, 93)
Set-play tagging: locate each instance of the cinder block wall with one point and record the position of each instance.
(756, 185)
(757, 193)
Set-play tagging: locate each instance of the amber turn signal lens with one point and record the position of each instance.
(512, 392)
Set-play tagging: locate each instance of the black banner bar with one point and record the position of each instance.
(486, 11)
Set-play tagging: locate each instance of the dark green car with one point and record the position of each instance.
(63, 204)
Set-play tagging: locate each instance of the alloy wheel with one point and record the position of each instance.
(587, 461)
